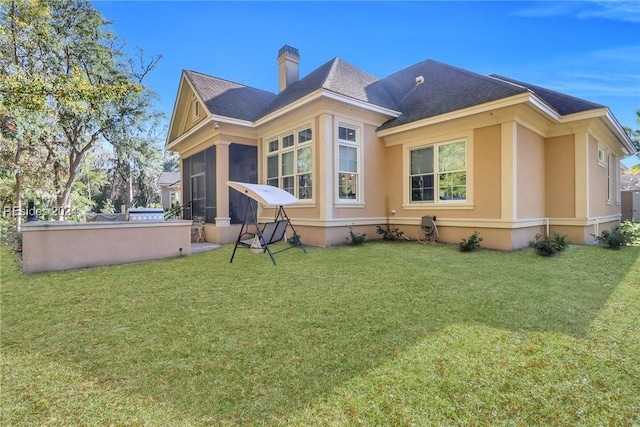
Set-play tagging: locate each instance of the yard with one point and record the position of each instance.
(379, 334)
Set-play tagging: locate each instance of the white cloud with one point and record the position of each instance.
(616, 10)
(609, 77)
(546, 10)
(627, 11)
(604, 72)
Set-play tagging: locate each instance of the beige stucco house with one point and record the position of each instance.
(479, 153)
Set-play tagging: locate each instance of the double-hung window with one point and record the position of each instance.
(290, 163)
(438, 173)
(348, 163)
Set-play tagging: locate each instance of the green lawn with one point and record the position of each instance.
(380, 334)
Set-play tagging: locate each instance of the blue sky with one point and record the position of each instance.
(588, 49)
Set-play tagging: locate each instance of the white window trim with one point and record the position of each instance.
(468, 203)
(614, 178)
(358, 145)
(294, 148)
(602, 161)
(195, 105)
(610, 177)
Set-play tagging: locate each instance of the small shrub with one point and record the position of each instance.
(8, 234)
(614, 238)
(560, 241)
(294, 239)
(389, 233)
(356, 238)
(549, 247)
(472, 243)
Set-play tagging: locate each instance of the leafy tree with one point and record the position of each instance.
(635, 138)
(60, 68)
(170, 162)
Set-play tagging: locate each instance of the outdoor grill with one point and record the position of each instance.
(146, 215)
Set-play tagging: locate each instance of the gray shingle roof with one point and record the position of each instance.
(562, 103)
(336, 76)
(168, 178)
(230, 99)
(445, 89)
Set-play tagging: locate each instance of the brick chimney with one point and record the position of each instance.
(288, 66)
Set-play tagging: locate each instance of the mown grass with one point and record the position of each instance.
(380, 334)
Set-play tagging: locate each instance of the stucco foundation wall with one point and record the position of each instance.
(332, 236)
(521, 237)
(51, 246)
(589, 238)
(491, 238)
(506, 239)
(582, 235)
(221, 235)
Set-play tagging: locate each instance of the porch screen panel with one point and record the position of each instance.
(243, 167)
(210, 185)
(186, 186)
(198, 186)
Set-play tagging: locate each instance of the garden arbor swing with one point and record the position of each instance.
(271, 232)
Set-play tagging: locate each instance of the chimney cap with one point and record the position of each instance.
(288, 49)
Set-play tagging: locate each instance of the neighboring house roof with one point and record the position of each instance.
(168, 179)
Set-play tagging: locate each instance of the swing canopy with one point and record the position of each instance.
(271, 232)
(267, 195)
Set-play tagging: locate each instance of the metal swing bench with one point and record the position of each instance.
(271, 232)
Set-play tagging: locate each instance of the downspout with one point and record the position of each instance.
(547, 220)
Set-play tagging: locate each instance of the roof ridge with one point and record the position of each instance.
(330, 73)
(508, 81)
(529, 87)
(482, 76)
(357, 68)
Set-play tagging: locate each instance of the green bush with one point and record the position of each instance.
(294, 239)
(472, 243)
(631, 231)
(356, 238)
(8, 234)
(614, 238)
(390, 233)
(549, 247)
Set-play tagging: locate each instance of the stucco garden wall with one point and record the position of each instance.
(52, 245)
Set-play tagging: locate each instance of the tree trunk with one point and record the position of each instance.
(18, 208)
(130, 190)
(18, 186)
